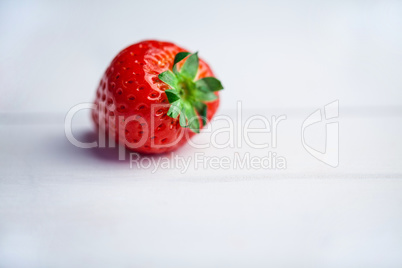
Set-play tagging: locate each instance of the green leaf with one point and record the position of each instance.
(168, 77)
(190, 66)
(172, 95)
(179, 57)
(175, 109)
(183, 119)
(202, 111)
(193, 120)
(209, 84)
(206, 96)
(187, 97)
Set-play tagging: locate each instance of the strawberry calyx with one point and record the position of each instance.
(187, 97)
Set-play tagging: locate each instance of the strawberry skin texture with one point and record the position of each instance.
(130, 88)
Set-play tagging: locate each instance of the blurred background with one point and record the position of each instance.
(267, 53)
(62, 206)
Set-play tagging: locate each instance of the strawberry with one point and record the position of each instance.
(154, 96)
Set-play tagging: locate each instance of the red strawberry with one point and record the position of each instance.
(154, 96)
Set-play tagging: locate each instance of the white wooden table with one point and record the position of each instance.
(65, 206)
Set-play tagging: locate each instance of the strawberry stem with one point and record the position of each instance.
(187, 97)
